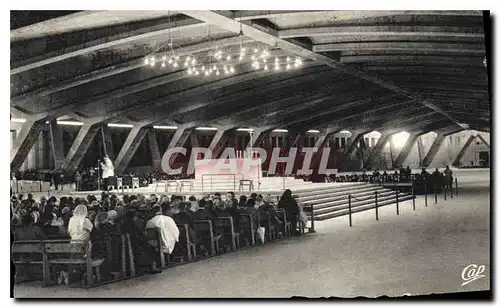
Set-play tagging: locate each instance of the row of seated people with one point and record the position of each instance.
(404, 175)
(95, 220)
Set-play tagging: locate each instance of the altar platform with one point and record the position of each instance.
(222, 184)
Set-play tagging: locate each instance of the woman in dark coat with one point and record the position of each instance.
(291, 207)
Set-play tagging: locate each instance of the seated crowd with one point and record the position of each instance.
(404, 175)
(92, 219)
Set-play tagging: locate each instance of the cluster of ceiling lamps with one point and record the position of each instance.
(217, 62)
(265, 61)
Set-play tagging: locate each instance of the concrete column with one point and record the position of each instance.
(258, 136)
(320, 144)
(377, 149)
(405, 151)
(296, 140)
(25, 141)
(107, 142)
(350, 147)
(193, 138)
(179, 139)
(456, 161)
(79, 148)
(39, 151)
(420, 149)
(56, 144)
(154, 150)
(219, 140)
(363, 153)
(129, 148)
(434, 149)
(483, 141)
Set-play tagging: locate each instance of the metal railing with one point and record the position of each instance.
(396, 187)
(203, 176)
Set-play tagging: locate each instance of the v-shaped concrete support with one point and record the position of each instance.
(56, 144)
(133, 141)
(80, 147)
(25, 141)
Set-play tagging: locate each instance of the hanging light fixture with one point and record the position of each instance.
(207, 62)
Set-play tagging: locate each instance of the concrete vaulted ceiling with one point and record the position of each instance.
(420, 70)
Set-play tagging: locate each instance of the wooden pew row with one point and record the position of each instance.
(215, 234)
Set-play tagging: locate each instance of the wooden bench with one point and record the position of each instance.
(204, 233)
(247, 227)
(64, 252)
(29, 254)
(281, 213)
(154, 239)
(224, 226)
(185, 241)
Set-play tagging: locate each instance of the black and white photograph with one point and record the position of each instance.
(255, 154)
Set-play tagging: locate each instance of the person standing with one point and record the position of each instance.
(56, 178)
(448, 176)
(78, 180)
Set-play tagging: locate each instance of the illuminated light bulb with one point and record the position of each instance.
(265, 67)
(176, 57)
(276, 60)
(203, 68)
(276, 67)
(194, 61)
(207, 73)
(287, 59)
(175, 64)
(228, 57)
(231, 69)
(214, 68)
(163, 64)
(225, 67)
(241, 57)
(186, 64)
(243, 50)
(217, 72)
(256, 50)
(152, 63)
(257, 65)
(226, 72)
(296, 64)
(190, 72)
(146, 61)
(170, 61)
(265, 60)
(164, 58)
(288, 66)
(253, 57)
(153, 59)
(188, 58)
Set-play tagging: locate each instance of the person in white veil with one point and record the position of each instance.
(79, 226)
(168, 229)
